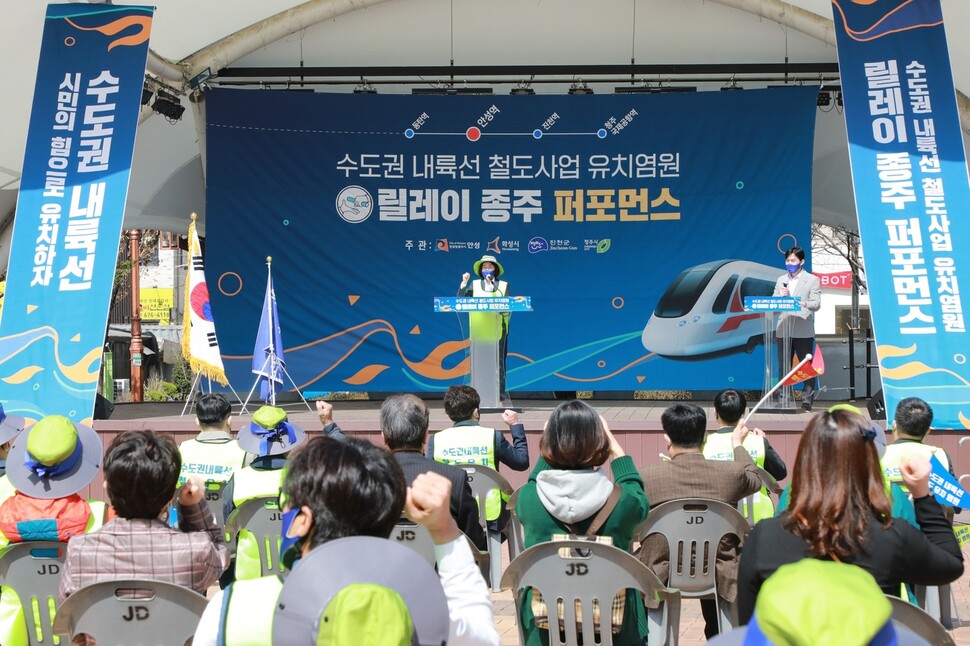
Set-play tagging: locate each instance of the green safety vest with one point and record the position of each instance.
(249, 483)
(214, 462)
(211, 461)
(718, 447)
(488, 325)
(247, 615)
(460, 445)
(899, 452)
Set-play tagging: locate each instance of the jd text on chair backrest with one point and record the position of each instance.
(33, 569)
(582, 570)
(482, 480)
(693, 528)
(331, 567)
(132, 612)
(262, 517)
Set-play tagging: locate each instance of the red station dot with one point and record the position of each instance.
(473, 134)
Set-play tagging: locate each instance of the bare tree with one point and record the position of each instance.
(842, 242)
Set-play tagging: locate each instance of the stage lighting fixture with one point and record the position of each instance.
(838, 99)
(364, 88)
(731, 85)
(522, 89)
(168, 106)
(146, 95)
(580, 87)
(824, 98)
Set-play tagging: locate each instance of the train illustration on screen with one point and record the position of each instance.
(702, 310)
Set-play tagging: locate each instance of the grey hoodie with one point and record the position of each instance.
(573, 495)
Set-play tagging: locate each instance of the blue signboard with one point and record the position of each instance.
(909, 173)
(636, 223)
(482, 304)
(70, 207)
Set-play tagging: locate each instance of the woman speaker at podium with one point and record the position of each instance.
(489, 272)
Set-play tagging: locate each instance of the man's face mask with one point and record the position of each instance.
(793, 267)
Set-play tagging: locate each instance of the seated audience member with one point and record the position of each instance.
(902, 506)
(141, 472)
(567, 490)
(817, 603)
(839, 510)
(404, 424)
(468, 442)
(689, 475)
(911, 425)
(351, 488)
(48, 465)
(270, 437)
(212, 454)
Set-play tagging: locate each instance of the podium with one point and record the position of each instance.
(776, 311)
(485, 334)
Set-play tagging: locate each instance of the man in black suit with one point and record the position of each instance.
(404, 424)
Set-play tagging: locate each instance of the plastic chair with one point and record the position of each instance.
(581, 570)
(514, 532)
(921, 623)
(115, 614)
(33, 569)
(693, 528)
(213, 495)
(362, 559)
(262, 517)
(483, 480)
(418, 539)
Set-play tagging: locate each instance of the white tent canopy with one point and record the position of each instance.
(189, 37)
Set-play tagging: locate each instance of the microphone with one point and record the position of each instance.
(785, 285)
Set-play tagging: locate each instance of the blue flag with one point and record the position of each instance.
(944, 487)
(268, 360)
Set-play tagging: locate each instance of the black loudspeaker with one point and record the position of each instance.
(877, 406)
(102, 408)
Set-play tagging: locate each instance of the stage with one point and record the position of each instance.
(636, 424)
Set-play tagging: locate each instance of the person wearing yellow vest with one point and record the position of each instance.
(270, 437)
(334, 490)
(212, 455)
(47, 466)
(468, 442)
(482, 324)
(729, 407)
(911, 425)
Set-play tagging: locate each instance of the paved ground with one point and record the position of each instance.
(692, 625)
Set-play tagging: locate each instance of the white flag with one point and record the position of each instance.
(199, 343)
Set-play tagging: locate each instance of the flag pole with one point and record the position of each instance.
(805, 359)
(272, 330)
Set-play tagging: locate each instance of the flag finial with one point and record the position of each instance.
(194, 216)
(269, 258)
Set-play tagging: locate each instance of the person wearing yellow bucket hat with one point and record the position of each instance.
(270, 437)
(489, 272)
(48, 465)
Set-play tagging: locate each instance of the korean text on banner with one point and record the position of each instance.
(70, 207)
(909, 173)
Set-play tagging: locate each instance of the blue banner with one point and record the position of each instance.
(70, 207)
(909, 173)
(637, 224)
